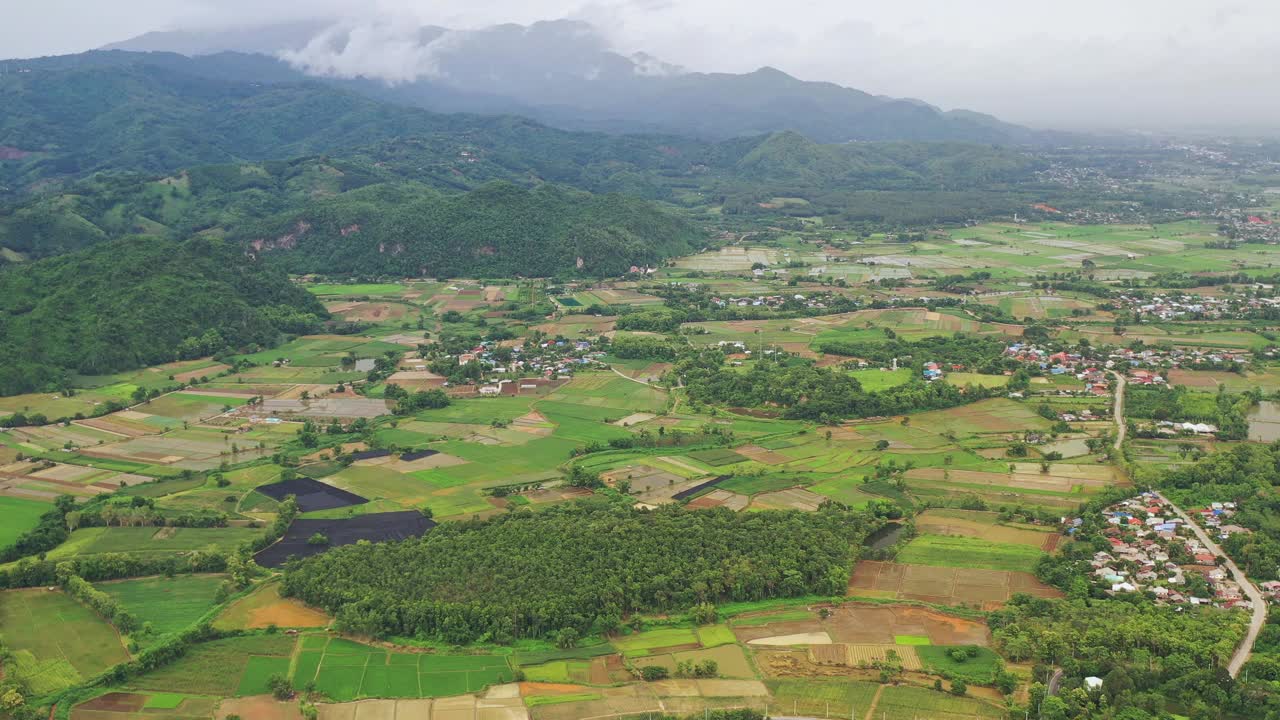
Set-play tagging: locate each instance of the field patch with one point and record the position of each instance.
(983, 525)
(969, 552)
(988, 589)
(17, 516)
(344, 670)
(222, 667)
(265, 607)
(57, 642)
(169, 604)
(311, 494)
(717, 457)
(375, 527)
(907, 702)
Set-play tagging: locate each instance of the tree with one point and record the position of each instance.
(318, 538)
(566, 638)
(959, 687)
(704, 614)
(281, 688)
(651, 673)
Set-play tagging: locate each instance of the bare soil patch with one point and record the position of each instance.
(1193, 378)
(987, 589)
(793, 499)
(259, 707)
(938, 524)
(115, 702)
(809, 638)
(763, 455)
(210, 371)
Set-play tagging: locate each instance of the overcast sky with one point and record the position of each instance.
(1090, 63)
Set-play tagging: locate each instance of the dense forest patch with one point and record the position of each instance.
(578, 567)
(135, 302)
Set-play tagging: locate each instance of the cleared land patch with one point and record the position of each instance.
(265, 607)
(987, 589)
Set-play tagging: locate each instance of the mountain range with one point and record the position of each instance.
(563, 73)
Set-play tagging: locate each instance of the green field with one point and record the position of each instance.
(750, 485)
(355, 289)
(875, 379)
(169, 604)
(717, 457)
(967, 552)
(978, 669)
(911, 640)
(713, 635)
(17, 516)
(57, 641)
(222, 667)
(639, 644)
(344, 670)
(841, 698)
(164, 701)
(906, 702)
(150, 540)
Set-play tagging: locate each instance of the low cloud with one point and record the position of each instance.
(392, 51)
(1092, 63)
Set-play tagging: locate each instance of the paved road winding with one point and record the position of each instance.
(1259, 617)
(1259, 604)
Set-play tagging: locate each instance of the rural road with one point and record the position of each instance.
(636, 380)
(1259, 605)
(1119, 411)
(1259, 618)
(1055, 681)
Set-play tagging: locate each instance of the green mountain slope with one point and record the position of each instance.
(500, 229)
(138, 301)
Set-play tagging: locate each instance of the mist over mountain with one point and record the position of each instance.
(565, 73)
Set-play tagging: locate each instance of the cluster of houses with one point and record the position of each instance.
(1175, 357)
(1152, 551)
(1249, 227)
(1144, 366)
(933, 371)
(769, 301)
(1196, 307)
(1063, 362)
(1212, 517)
(529, 367)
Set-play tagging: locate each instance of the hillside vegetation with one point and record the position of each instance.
(499, 229)
(138, 301)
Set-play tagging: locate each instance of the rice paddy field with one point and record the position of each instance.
(149, 541)
(19, 515)
(344, 670)
(57, 642)
(168, 604)
(228, 667)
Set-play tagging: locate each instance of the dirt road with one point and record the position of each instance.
(1259, 604)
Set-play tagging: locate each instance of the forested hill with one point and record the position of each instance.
(565, 74)
(138, 301)
(70, 117)
(500, 230)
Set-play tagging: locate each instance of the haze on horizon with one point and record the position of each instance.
(1158, 65)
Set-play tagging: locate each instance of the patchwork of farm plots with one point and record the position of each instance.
(1007, 251)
